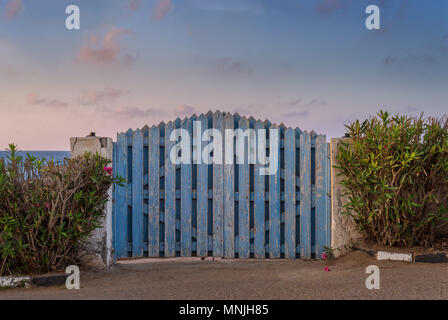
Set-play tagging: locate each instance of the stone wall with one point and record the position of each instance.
(99, 246)
(343, 229)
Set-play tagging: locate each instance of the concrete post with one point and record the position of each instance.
(99, 245)
(343, 229)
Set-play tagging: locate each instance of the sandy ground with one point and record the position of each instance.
(252, 279)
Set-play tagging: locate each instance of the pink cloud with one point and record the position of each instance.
(110, 37)
(132, 112)
(13, 8)
(36, 99)
(163, 7)
(134, 5)
(95, 96)
(184, 110)
(106, 51)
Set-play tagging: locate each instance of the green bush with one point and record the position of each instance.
(47, 210)
(395, 173)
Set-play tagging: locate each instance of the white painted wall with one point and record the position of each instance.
(100, 243)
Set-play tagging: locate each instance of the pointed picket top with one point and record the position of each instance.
(321, 138)
(177, 123)
(145, 130)
(154, 129)
(289, 130)
(161, 125)
(244, 122)
(129, 132)
(267, 123)
(227, 115)
(217, 115)
(259, 124)
(245, 118)
(202, 114)
(120, 134)
(185, 122)
(282, 128)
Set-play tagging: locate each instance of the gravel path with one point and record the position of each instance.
(238, 279)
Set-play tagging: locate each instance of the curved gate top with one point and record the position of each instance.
(221, 185)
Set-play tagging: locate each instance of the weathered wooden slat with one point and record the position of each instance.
(305, 195)
(137, 193)
(121, 201)
(210, 195)
(274, 200)
(321, 194)
(290, 194)
(243, 198)
(153, 192)
(259, 204)
(202, 195)
(229, 191)
(186, 194)
(218, 200)
(114, 197)
(170, 195)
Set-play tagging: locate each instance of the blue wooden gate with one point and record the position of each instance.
(220, 210)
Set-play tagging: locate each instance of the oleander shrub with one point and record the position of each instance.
(395, 173)
(47, 210)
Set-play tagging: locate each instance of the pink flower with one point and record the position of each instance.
(47, 205)
(324, 256)
(108, 170)
(326, 269)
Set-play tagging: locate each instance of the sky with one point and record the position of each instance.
(307, 64)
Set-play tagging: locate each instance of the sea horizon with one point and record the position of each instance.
(58, 156)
